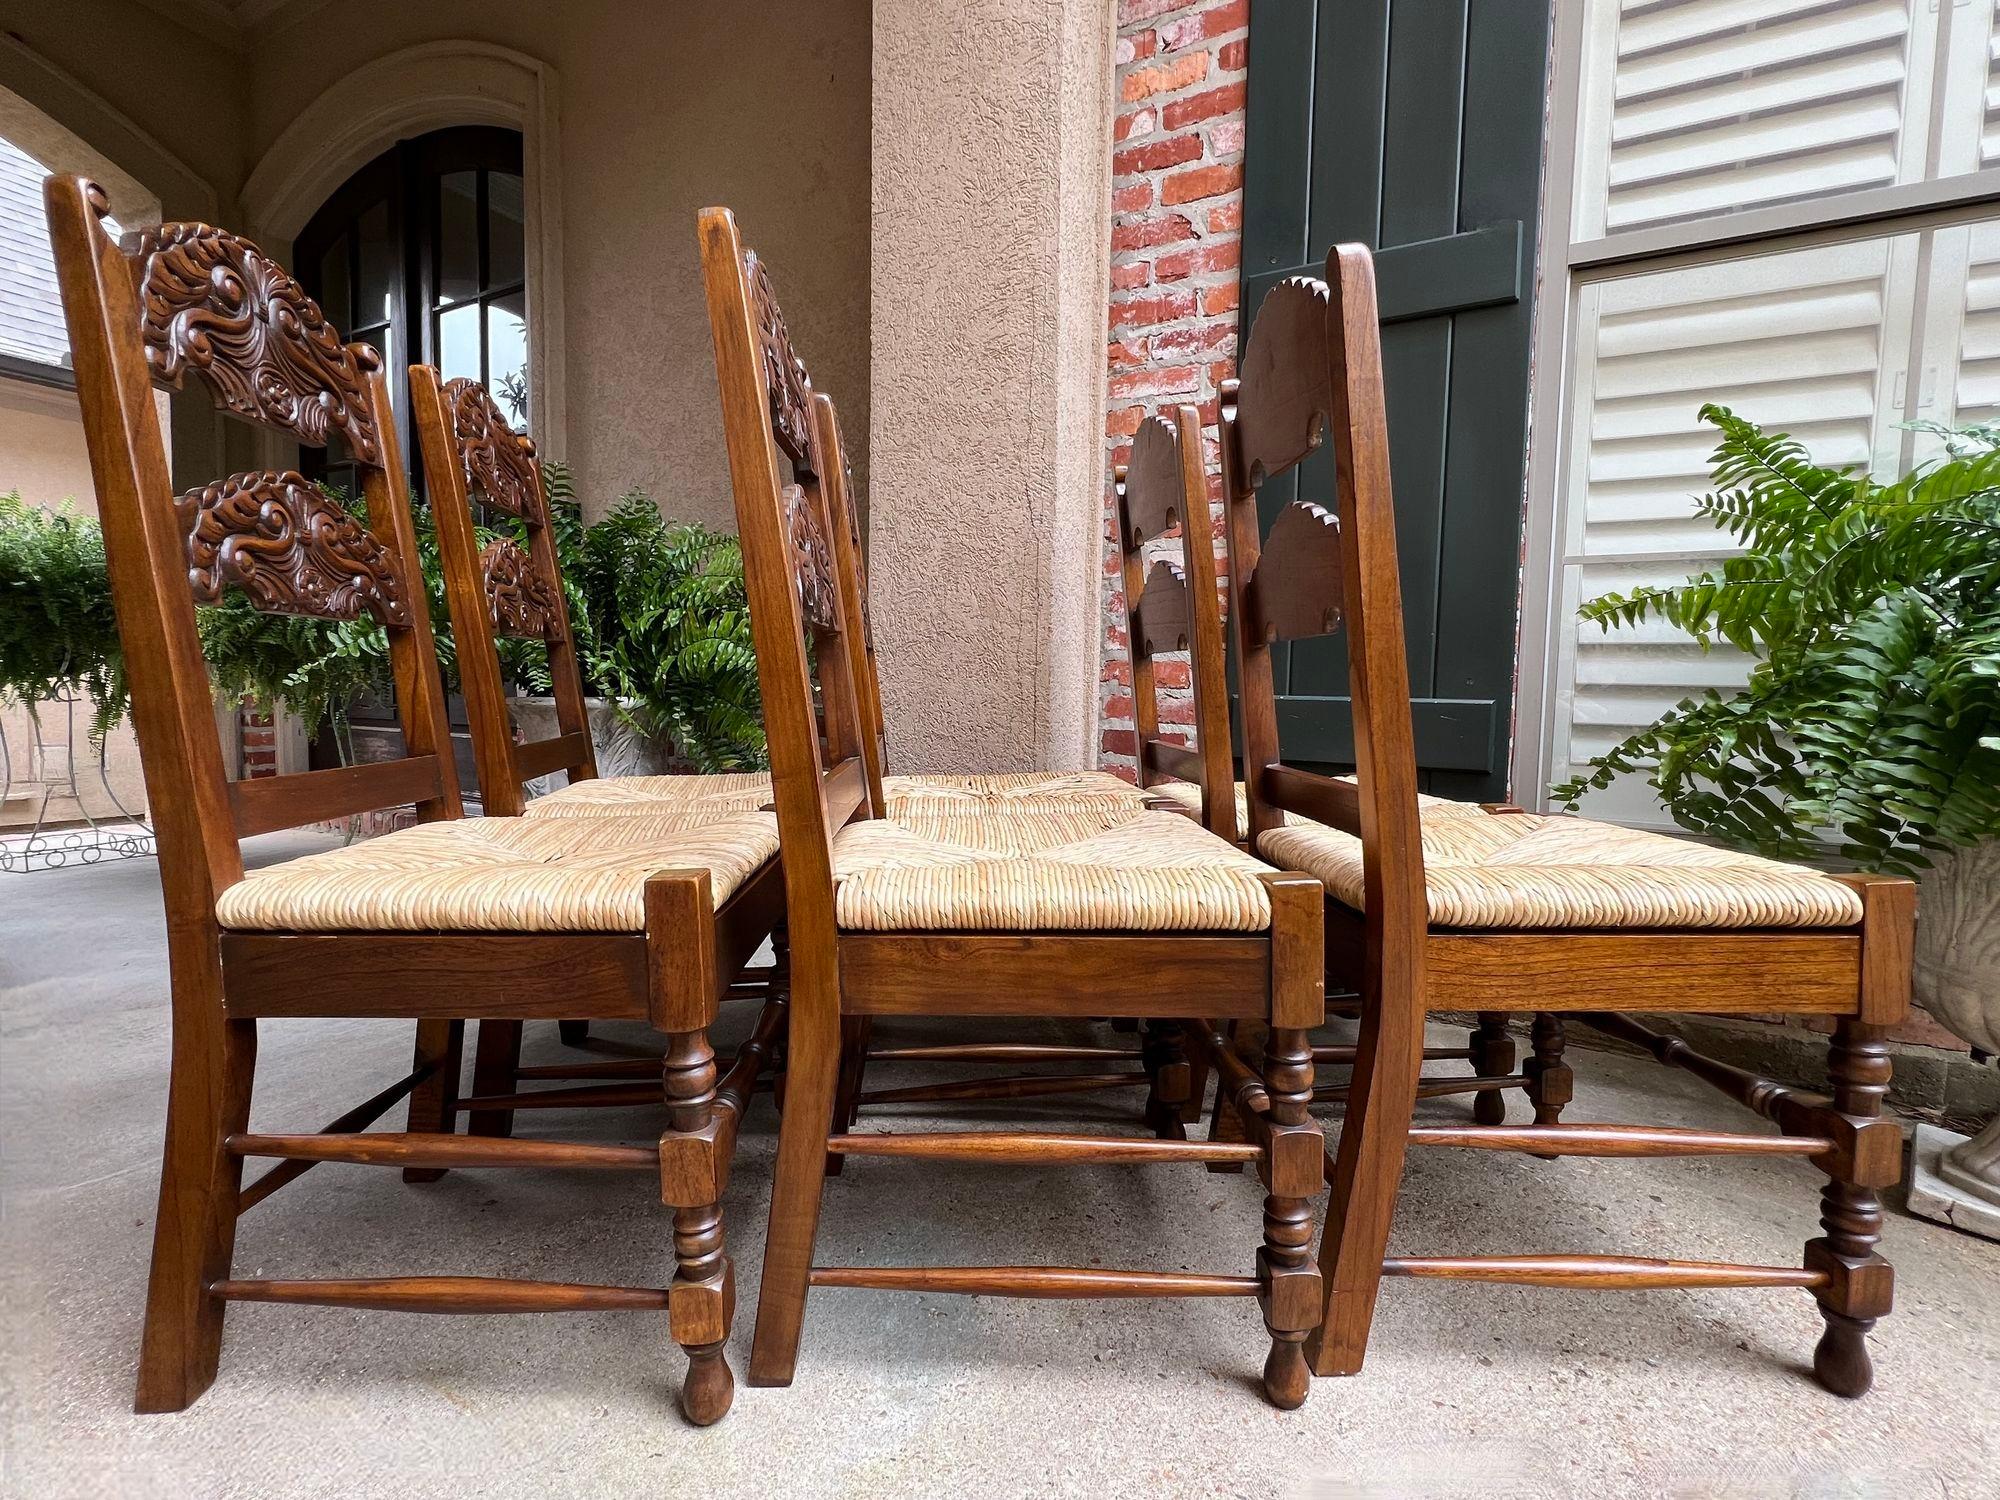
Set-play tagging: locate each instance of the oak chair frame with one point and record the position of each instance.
(1312, 369)
(778, 436)
(186, 297)
(472, 454)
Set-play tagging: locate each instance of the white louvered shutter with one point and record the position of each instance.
(1699, 107)
(1810, 342)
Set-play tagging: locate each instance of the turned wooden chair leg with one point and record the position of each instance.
(1225, 1122)
(1551, 1084)
(1861, 1285)
(811, 1078)
(702, 1299)
(573, 1033)
(854, 1034)
(1492, 1057)
(496, 1063)
(1163, 1054)
(434, 1102)
(1292, 1167)
(194, 1230)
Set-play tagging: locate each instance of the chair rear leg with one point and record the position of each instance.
(1861, 1284)
(1367, 1174)
(1225, 1121)
(434, 1102)
(854, 1034)
(1163, 1054)
(1492, 1057)
(496, 1063)
(701, 1302)
(811, 1079)
(573, 1033)
(194, 1231)
(1292, 1168)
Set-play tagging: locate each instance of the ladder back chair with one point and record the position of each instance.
(1565, 914)
(934, 913)
(495, 587)
(453, 919)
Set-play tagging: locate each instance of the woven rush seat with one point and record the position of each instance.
(1005, 789)
(1188, 795)
(723, 792)
(747, 791)
(1045, 870)
(499, 875)
(1519, 870)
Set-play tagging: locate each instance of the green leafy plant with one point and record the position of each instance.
(1874, 611)
(57, 630)
(658, 610)
(661, 616)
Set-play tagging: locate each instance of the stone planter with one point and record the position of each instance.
(621, 749)
(1958, 981)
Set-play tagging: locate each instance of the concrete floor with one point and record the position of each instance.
(1499, 1393)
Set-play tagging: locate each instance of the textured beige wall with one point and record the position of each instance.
(666, 107)
(991, 189)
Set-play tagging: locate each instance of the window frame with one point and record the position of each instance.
(1567, 267)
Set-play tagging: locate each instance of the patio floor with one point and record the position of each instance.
(1473, 1391)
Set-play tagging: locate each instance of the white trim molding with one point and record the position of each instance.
(434, 86)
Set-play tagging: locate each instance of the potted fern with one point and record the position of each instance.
(661, 618)
(1872, 716)
(57, 632)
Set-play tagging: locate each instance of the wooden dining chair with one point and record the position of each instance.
(937, 913)
(1511, 911)
(450, 920)
(496, 587)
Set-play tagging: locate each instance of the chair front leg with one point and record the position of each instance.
(702, 1300)
(1292, 1168)
(1860, 1285)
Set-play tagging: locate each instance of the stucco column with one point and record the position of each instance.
(990, 252)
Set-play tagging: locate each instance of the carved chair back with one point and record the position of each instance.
(783, 446)
(502, 588)
(189, 298)
(1312, 369)
(1172, 607)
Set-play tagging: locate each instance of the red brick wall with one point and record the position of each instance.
(1177, 210)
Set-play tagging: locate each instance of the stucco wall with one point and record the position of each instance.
(990, 187)
(665, 108)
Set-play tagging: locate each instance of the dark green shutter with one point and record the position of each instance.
(1414, 127)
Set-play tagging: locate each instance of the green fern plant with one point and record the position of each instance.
(57, 630)
(1873, 610)
(662, 619)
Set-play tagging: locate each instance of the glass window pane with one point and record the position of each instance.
(381, 266)
(506, 219)
(333, 299)
(458, 237)
(507, 356)
(458, 341)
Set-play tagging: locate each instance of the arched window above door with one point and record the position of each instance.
(423, 253)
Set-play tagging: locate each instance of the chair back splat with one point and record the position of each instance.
(472, 455)
(183, 299)
(1173, 607)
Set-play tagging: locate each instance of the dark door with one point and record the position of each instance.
(1415, 127)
